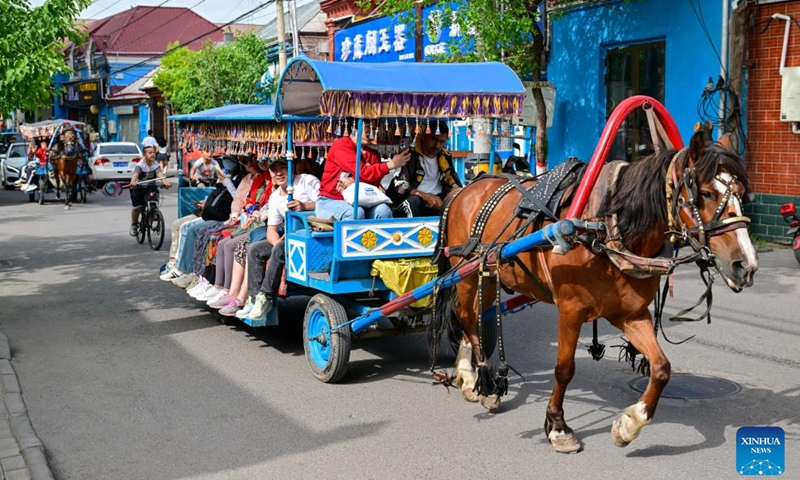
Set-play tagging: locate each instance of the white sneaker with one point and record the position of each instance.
(183, 280)
(31, 188)
(261, 307)
(210, 293)
(244, 311)
(193, 290)
(170, 273)
(195, 281)
(221, 293)
(201, 288)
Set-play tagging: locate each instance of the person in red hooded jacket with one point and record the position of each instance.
(339, 173)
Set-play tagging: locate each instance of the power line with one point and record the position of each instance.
(155, 57)
(234, 8)
(189, 9)
(103, 10)
(152, 9)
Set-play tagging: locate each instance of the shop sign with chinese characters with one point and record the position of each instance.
(386, 39)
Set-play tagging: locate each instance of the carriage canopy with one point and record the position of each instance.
(248, 127)
(230, 113)
(46, 128)
(399, 89)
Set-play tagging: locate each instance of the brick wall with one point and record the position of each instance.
(773, 153)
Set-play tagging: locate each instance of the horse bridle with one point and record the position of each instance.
(697, 235)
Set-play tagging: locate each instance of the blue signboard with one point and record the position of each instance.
(387, 39)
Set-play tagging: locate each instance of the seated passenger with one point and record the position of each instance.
(419, 188)
(341, 160)
(305, 196)
(205, 171)
(40, 155)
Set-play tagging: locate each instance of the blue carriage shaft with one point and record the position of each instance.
(553, 234)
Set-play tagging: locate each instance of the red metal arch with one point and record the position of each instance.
(607, 138)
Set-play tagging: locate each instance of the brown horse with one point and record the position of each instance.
(65, 163)
(693, 196)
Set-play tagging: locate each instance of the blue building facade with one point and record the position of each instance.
(683, 41)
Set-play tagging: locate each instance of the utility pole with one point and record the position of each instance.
(295, 29)
(281, 34)
(418, 32)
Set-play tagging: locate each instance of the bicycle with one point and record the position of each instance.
(151, 220)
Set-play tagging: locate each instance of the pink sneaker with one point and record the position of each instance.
(221, 302)
(230, 310)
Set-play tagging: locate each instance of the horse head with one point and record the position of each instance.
(710, 183)
(70, 144)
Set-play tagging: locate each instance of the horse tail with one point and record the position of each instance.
(444, 298)
(444, 307)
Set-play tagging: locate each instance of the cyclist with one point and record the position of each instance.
(147, 169)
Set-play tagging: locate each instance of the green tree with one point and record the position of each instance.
(31, 49)
(215, 75)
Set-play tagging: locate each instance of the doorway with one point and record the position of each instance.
(634, 70)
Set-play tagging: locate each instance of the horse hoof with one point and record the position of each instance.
(616, 434)
(564, 442)
(470, 396)
(491, 402)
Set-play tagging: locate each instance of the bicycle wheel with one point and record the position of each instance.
(155, 232)
(142, 226)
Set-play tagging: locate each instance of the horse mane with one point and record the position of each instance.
(639, 199)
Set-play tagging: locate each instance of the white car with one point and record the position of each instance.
(15, 158)
(115, 160)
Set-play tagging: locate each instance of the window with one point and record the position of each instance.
(634, 70)
(119, 149)
(17, 151)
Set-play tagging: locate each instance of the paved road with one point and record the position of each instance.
(126, 377)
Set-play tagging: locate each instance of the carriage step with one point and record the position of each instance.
(269, 320)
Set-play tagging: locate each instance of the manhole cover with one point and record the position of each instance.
(690, 386)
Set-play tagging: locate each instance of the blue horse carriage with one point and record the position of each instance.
(343, 267)
(346, 266)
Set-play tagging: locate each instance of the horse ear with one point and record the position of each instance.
(697, 144)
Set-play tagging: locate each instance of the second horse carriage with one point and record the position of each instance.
(64, 167)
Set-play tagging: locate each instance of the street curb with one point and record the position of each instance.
(29, 443)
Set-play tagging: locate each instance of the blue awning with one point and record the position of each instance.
(399, 89)
(230, 113)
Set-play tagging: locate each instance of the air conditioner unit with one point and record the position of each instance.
(790, 94)
(322, 47)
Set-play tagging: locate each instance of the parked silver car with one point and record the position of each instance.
(115, 160)
(15, 158)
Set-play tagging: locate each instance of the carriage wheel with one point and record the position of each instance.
(327, 350)
(155, 234)
(83, 187)
(142, 227)
(42, 187)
